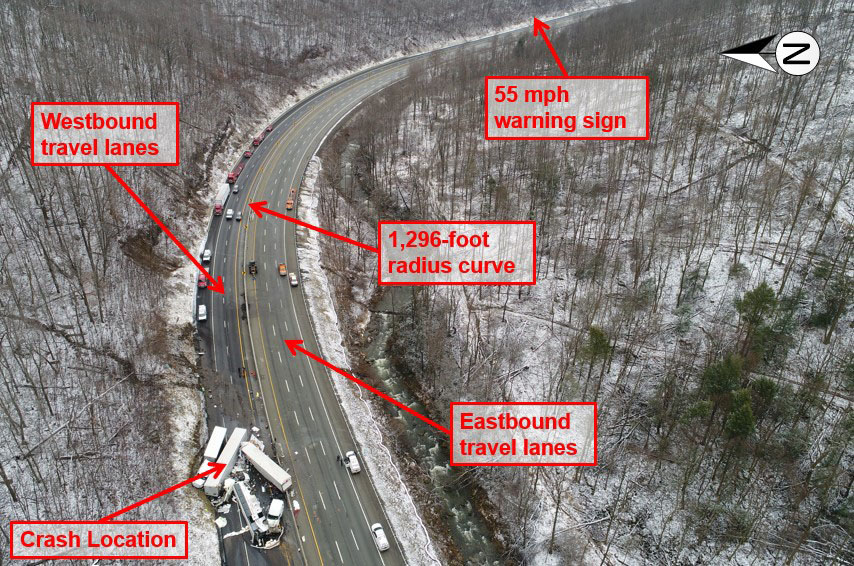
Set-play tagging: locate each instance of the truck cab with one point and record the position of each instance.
(274, 513)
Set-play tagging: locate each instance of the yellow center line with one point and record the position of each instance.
(259, 181)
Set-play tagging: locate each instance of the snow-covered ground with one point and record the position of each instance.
(696, 323)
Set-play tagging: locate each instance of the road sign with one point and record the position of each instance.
(797, 53)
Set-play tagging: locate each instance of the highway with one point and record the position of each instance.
(247, 325)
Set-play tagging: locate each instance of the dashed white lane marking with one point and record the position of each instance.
(300, 380)
(338, 493)
(280, 359)
(339, 552)
(287, 386)
(322, 502)
(296, 417)
(323, 449)
(307, 455)
(311, 413)
(274, 330)
(354, 539)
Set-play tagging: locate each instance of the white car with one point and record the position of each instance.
(274, 513)
(379, 536)
(352, 462)
(292, 276)
(203, 313)
(206, 257)
(229, 214)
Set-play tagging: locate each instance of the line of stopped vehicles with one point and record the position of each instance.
(231, 187)
(254, 481)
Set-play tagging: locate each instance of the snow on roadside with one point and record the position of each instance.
(187, 414)
(409, 529)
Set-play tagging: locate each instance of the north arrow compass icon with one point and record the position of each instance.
(797, 53)
(752, 54)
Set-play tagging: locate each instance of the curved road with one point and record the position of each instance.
(305, 420)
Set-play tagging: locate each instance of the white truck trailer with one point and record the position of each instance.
(268, 468)
(212, 450)
(227, 457)
(214, 445)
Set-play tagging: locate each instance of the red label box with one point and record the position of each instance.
(566, 108)
(92, 540)
(478, 252)
(523, 434)
(104, 133)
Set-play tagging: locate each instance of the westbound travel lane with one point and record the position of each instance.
(247, 326)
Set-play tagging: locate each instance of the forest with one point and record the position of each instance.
(95, 340)
(697, 286)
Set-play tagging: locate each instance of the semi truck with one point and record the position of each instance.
(221, 197)
(212, 450)
(250, 508)
(228, 456)
(235, 173)
(274, 473)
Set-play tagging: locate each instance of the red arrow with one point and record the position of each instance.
(540, 28)
(260, 208)
(215, 285)
(214, 468)
(294, 347)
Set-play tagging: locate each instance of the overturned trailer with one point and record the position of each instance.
(274, 473)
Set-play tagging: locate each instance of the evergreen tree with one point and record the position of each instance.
(740, 423)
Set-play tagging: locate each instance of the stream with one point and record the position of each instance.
(470, 532)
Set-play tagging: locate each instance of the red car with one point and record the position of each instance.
(269, 129)
(203, 281)
(247, 153)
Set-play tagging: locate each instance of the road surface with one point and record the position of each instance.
(246, 328)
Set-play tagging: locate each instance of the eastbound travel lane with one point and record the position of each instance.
(246, 328)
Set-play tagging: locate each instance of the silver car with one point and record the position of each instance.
(352, 462)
